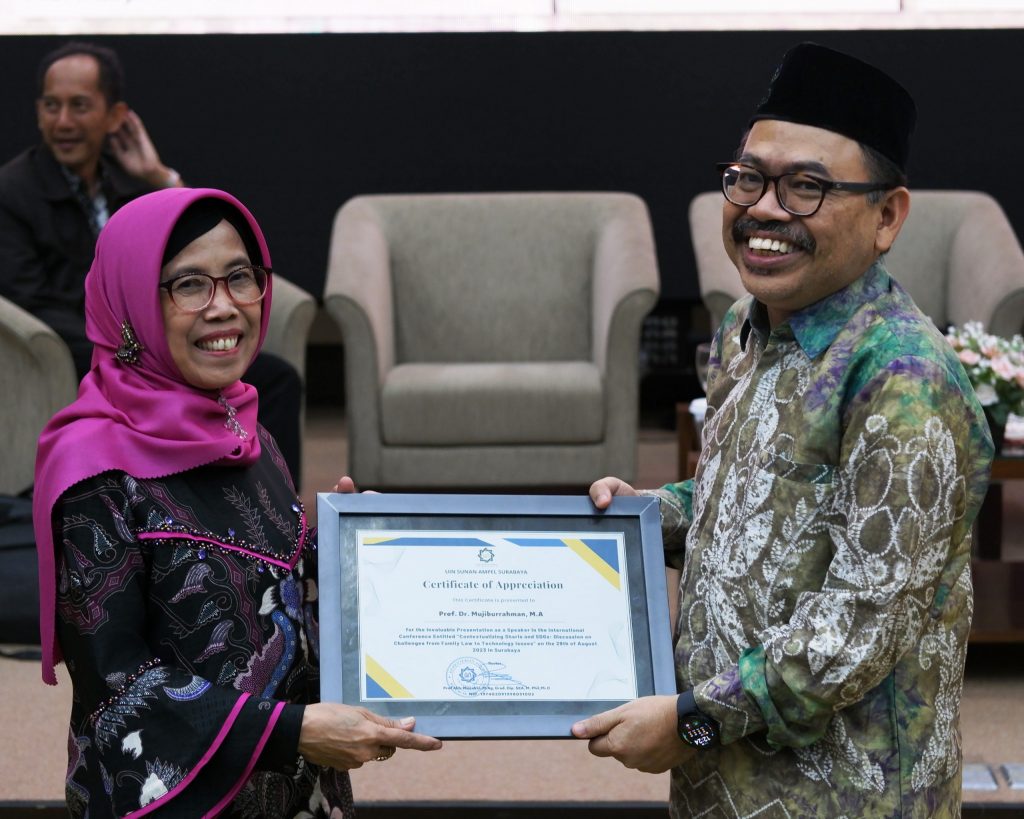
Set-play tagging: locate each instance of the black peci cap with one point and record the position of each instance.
(818, 86)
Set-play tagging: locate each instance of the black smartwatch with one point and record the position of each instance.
(695, 727)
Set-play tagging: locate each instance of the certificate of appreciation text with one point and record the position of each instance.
(482, 615)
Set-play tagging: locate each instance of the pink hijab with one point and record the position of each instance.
(142, 418)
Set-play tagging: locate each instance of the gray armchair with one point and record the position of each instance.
(37, 379)
(491, 340)
(291, 316)
(957, 256)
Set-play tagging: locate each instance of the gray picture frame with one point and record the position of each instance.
(339, 516)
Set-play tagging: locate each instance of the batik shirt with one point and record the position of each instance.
(824, 542)
(187, 617)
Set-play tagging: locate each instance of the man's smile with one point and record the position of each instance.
(769, 247)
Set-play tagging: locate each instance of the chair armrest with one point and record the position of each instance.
(720, 285)
(357, 295)
(626, 286)
(624, 264)
(291, 315)
(37, 379)
(359, 272)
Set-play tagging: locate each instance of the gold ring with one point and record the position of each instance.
(386, 752)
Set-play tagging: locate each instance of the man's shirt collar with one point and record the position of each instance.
(816, 326)
(95, 207)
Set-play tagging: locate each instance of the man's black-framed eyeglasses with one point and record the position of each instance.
(799, 192)
(193, 292)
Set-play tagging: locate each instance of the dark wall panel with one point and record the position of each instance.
(296, 124)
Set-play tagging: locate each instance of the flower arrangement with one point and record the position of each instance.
(995, 366)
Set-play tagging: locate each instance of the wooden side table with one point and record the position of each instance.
(998, 601)
(998, 583)
(989, 532)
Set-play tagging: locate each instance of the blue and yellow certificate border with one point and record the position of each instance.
(344, 664)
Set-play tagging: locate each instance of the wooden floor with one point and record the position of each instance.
(514, 779)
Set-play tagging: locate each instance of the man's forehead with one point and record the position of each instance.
(794, 146)
(80, 71)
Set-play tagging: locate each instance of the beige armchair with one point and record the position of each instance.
(291, 316)
(491, 340)
(38, 376)
(957, 256)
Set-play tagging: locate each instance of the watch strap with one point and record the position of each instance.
(686, 703)
(695, 728)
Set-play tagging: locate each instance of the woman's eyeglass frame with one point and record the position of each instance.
(215, 280)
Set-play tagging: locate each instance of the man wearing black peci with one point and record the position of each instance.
(825, 541)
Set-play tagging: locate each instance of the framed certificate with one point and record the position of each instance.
(492, 616)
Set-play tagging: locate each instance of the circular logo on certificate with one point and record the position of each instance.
(467, 676)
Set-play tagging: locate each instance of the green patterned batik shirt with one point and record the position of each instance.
(825, 599)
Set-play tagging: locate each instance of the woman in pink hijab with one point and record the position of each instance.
(177, 570)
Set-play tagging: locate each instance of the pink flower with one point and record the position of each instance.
(969, 357)
(1004, 368)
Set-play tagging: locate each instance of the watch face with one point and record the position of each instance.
(697, 730)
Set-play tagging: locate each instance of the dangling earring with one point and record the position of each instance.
(128, 352)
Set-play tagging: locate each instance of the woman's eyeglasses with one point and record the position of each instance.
(193, 292)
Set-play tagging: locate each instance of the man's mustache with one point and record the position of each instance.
(791, 233)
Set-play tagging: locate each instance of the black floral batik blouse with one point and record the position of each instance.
(187, 617)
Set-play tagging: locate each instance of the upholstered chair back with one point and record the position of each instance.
(501, 279)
